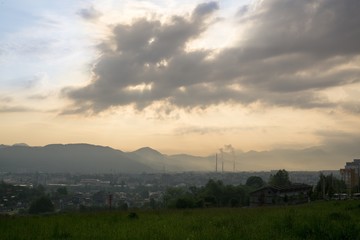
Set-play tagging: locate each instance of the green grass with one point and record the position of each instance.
(322, 220)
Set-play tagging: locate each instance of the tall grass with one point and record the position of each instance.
(323, 220)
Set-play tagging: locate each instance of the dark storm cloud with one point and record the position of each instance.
(291, 51)
(320, 28)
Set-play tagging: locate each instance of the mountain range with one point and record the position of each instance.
(86, 158)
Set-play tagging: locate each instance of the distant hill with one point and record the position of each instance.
(186, 162)
(178, 162)
(147, 155)
(21, 144)
(81, 158)
(291, 159)
(86, 158)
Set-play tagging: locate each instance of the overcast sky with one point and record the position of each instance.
(183, 76)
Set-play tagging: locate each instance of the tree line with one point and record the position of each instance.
(216, 194)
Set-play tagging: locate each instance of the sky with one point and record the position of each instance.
(183, 76)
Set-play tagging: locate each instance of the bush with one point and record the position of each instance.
(184, 203)
(41, 205)
(133, 215)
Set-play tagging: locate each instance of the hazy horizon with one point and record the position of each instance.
(234, 160)
(190, 77)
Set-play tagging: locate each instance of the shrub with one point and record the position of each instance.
(133, 215)
(184, 203)
(41, 205)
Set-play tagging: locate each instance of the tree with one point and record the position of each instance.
(184, 202)
(281, 178)
(62, 191)
(171, 195)
(39, 190)
(328, 185)
(41, 205)
(213, 194)
(214, 190)
(123, 205)
(153, 204)
(255, 182)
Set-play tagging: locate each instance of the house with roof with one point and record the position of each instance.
(280, 195)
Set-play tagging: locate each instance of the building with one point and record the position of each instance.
(280, 195)
(350, 174)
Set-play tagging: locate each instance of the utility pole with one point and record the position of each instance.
(323, 186)
(222, 161)
(234, 165)
(110, 197)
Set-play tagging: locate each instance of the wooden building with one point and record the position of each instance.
(280, 195)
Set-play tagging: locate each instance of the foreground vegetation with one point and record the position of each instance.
(319, 220)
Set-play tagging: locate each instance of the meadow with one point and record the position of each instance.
(318, 220)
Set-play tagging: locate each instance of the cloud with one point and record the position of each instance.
(38, 97)
(204, 9)
(352, 107)
(201, 130)
(289, 52)
(320, 28)
(89, 13)
(31, 81)
(13, 109)
(6, 99)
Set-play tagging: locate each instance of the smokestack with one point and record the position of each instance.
(216, 162)
(229, 150)
(222, 159)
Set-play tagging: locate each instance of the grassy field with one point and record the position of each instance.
(321, 220)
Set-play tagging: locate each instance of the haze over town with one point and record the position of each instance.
(277, 80)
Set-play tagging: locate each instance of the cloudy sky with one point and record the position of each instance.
(183, 76)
